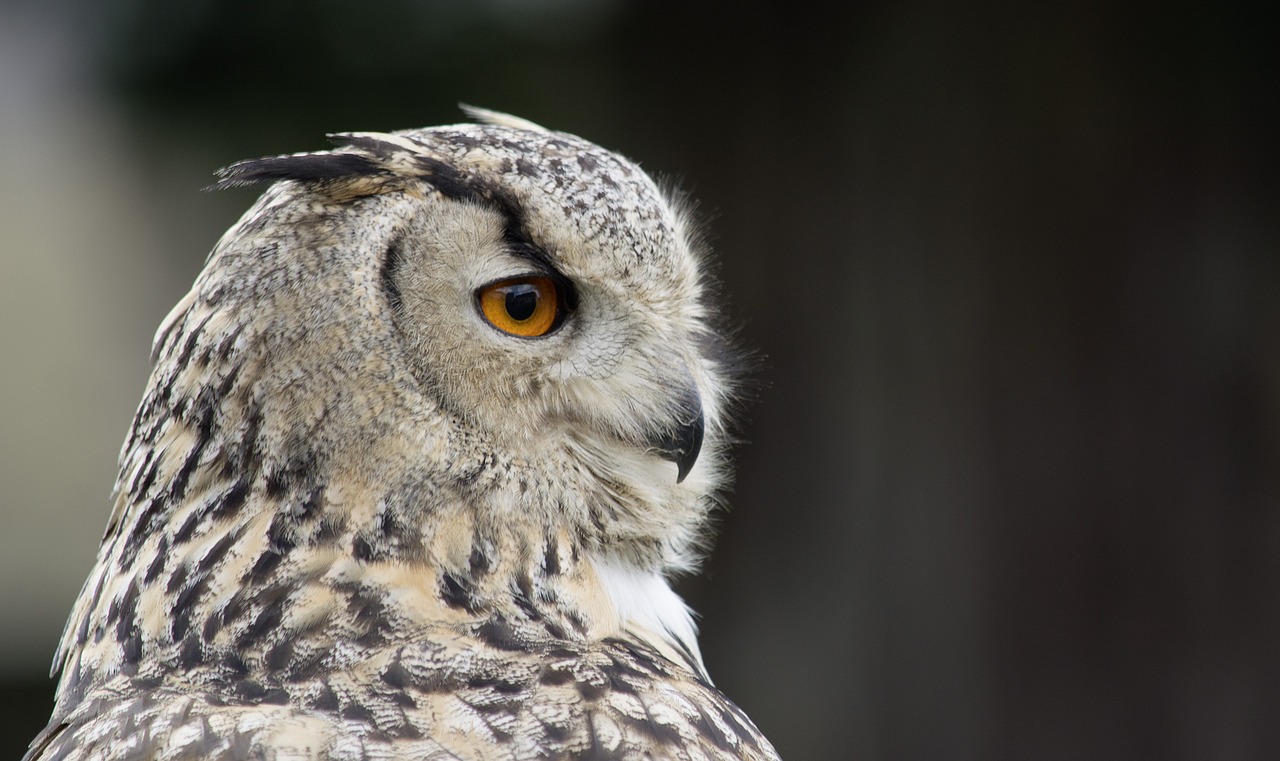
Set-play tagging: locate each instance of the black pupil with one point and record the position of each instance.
(522, 301)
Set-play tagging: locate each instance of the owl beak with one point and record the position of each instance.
(682, 442)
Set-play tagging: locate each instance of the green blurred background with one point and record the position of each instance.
(1012, 484)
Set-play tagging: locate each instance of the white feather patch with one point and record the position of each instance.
(647, 607)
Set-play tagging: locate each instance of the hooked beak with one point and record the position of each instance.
(683, 440)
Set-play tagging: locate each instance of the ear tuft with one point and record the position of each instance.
(499, 119)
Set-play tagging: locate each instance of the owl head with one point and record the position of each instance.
(501, 313)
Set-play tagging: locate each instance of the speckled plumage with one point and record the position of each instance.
(355, 521)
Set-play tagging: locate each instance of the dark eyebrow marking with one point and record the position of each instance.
(462, 187)
(523, 248)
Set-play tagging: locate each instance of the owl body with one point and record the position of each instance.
(420, 449)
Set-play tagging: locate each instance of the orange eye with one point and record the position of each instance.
(525, 306)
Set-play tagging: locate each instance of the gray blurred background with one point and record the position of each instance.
(1011, 488)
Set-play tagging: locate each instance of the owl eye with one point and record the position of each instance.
(527, 307)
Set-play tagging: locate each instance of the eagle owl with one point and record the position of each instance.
(421, 447)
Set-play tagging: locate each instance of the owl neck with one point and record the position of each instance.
(527, 584)
(324, 574)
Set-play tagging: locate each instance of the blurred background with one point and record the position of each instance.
(1011, 486)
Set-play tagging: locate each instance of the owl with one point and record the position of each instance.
(421, 448)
